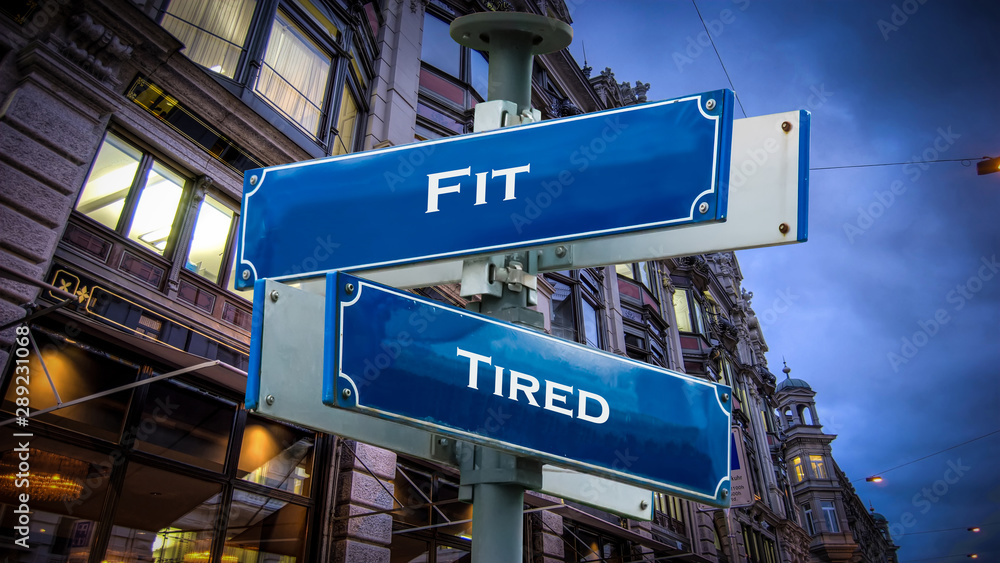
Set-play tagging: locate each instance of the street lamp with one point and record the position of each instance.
(988, 166)
(973, 556)
(874, 479)
(974, 529)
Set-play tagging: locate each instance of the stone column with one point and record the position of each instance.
(547, 537)
(357, 538)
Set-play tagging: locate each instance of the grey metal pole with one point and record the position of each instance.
(498, 480)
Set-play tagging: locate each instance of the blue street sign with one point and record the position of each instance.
(639, 168)
(394, 355)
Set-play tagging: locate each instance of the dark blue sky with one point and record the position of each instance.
(891, 311)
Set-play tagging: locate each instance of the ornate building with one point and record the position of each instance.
(125, 130)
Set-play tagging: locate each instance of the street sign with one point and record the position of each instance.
(286, 374)
(636, 169)
(768, 188)
(399, 357)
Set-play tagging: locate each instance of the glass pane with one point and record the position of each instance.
(184, 424)
(163, 516)
(625, 270)
(591, 326)
(480, 73)
(213, 33)
(231, 283)
(294, 75)
(157, 207)
(819, 469)
(346, 123)
(104, 194)
(438, 48)
(644, 274)
(563, 315)
(76, 373)
(682, 310)
(208, 244)
(66, 490)
(276, 455)
(264, 529)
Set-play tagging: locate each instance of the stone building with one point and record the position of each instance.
(125, 130)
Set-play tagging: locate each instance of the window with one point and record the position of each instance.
(574, 307)
(669, 512)
(208, 243)
(830, 516)
(798, 470)
(452, 80)
(132, 193)
(689, 311)
(818, 467)
(294, 74)
(213, 33)
(807, 517)
(297, 62)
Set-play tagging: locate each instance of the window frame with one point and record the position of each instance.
(581, 284)
(349, 44)
(139, 181)
(830, 518)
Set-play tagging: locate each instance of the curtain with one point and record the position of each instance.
(294, 75)
(213, 32)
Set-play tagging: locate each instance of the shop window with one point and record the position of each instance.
(262, 528)
(163, 516)
(276, 455)
(818, 467)
(76, 373)
(830, 516)
(208, 243)
(186, 425)
(66, 490)
(213, 33)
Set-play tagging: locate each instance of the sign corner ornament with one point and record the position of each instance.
(400, 357)
(531, 186)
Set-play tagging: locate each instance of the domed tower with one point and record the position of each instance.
(815, 488)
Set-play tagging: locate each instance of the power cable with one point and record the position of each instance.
(709, 34)
(932, 455)
(962, 160)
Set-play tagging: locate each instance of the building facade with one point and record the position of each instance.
(125, 130)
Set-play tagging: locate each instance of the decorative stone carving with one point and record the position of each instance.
(640, 90)
(95, 48)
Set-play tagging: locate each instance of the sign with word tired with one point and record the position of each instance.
(640, 168)
(394, 355)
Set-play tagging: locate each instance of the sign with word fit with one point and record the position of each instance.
(634, 169)
(394, 355)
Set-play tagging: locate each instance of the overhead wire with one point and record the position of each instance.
(883, 472)
(709, 34)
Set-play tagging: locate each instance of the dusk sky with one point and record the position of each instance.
(891, 310)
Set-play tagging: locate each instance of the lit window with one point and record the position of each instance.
(110, 180)
(346, 123)
(798, 470)
(807, 516)
(213, 33)
(830, 516)
(294, 75)
(208, 243)
(818, 467)
(689, 313)
(123, 178)
(153, 221)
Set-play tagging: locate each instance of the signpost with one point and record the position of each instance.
(635, 169)
(491, 210)
(404, 358)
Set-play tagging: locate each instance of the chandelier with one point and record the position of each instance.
(50, 476)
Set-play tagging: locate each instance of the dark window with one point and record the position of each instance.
(575, 307)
